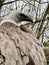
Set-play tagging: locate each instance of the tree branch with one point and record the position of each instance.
(8, 3)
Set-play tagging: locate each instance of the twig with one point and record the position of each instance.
(9, 2)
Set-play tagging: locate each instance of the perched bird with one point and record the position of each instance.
(16, 17)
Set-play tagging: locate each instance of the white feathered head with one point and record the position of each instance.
(17, 16)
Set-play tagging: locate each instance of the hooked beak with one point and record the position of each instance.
(28, 19)
(24, 17)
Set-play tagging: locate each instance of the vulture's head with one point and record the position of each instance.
(16, 17)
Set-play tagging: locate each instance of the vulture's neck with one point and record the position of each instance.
(12, 17)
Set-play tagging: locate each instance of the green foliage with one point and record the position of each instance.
(1, 2)
(46, 50)
(47, 18)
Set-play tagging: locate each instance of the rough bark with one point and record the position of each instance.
(18, 46)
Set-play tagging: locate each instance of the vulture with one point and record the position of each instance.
(16, 17)
(18, 47)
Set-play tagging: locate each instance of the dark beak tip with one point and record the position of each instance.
(30, 20)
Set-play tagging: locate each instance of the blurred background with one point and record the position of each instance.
(38, 10)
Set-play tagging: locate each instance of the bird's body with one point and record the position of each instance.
(16, 17)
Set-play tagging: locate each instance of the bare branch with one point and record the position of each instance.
(9, 2)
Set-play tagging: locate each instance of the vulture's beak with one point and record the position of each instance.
(24, 17)
(28, 19)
